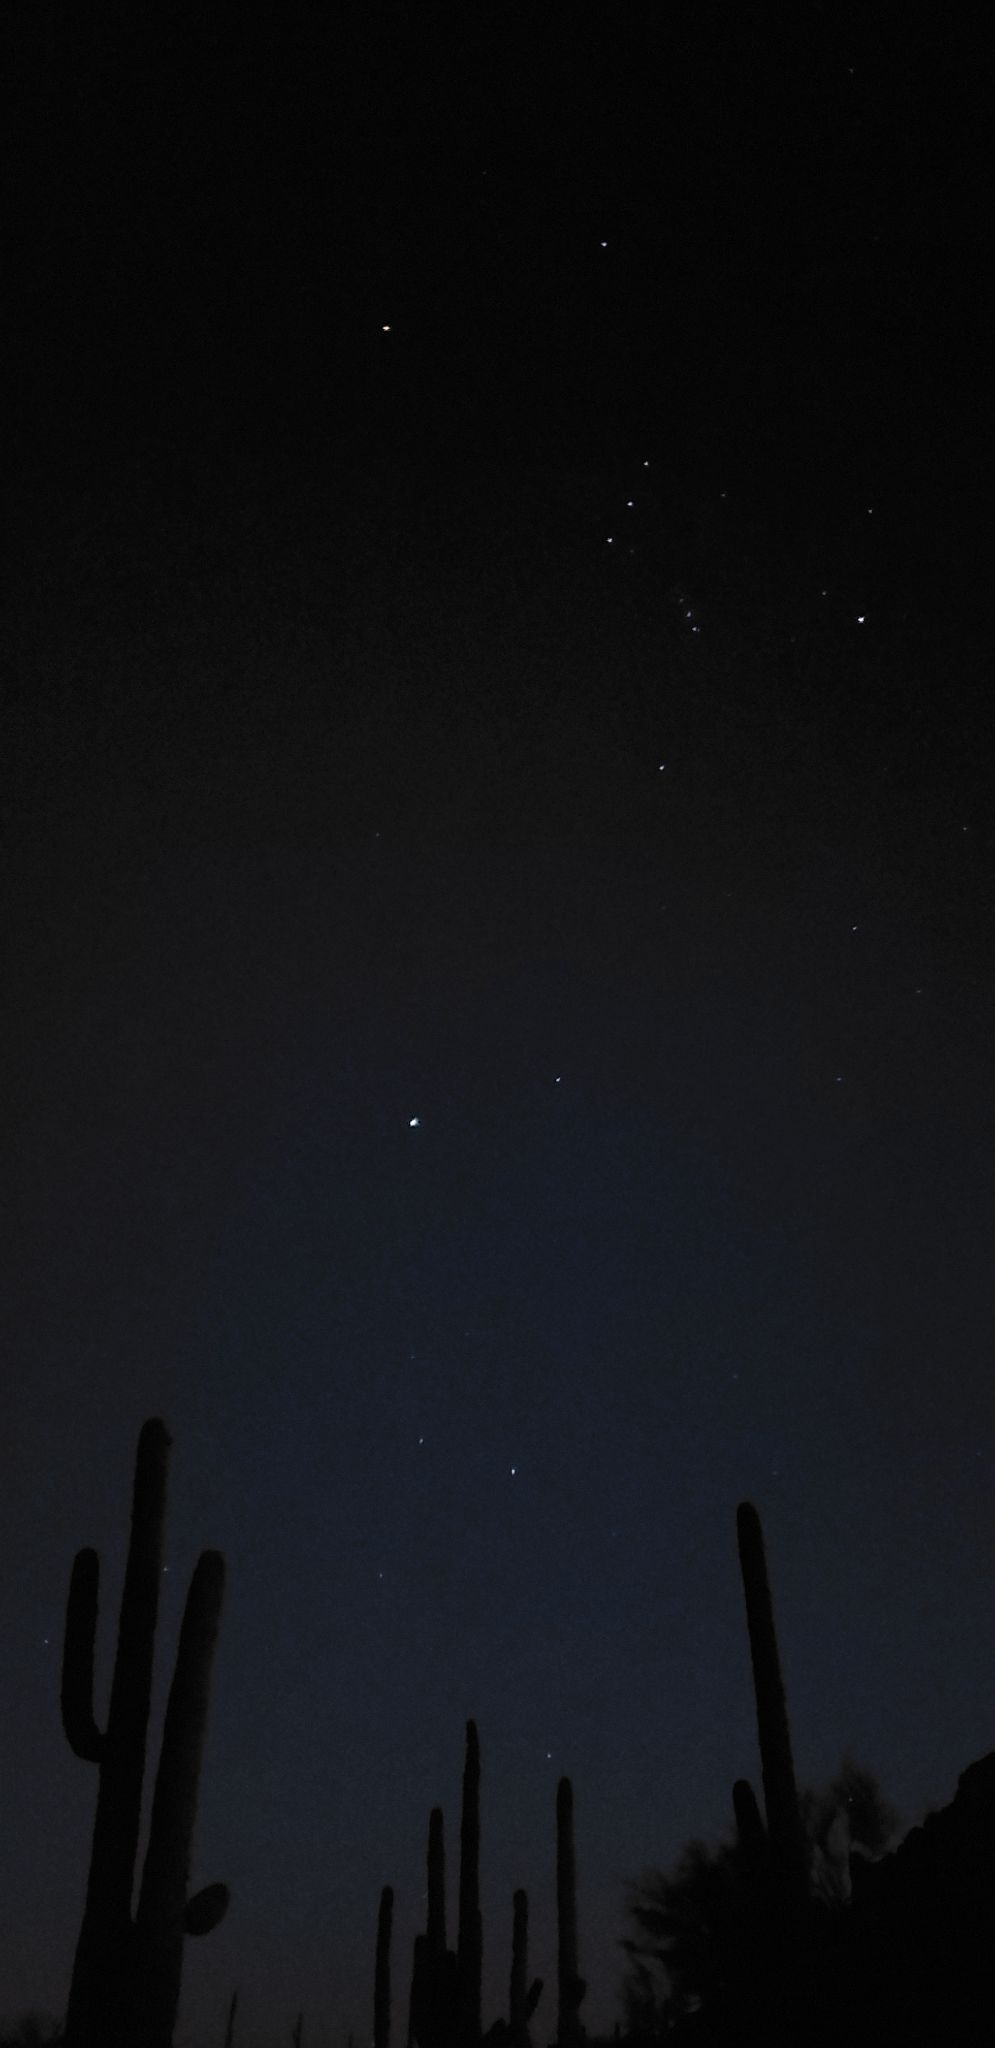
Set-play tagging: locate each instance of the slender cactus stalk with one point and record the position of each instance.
(784, 1828)
(469, 1952)
(433, 2003)
(436, 1928)
(381, 1975)
(570, 1984)
(523, 1997)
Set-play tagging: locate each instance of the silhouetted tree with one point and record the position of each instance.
(852, 1813)
(699, 1936)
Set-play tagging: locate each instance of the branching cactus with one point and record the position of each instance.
(445, 2002)
(433, 2003)
(127, 1972)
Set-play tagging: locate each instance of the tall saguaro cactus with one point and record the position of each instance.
(784, 1828)
(570, 1984)
(523, 1997)
(436, 1928)
(381, 1977)
(469, 1947)
(127, 1972)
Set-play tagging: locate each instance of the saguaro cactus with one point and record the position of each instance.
(127, 1972)
(570, 1984)
(445, 1988)
(433, 2001)
(784, 1828)
(436, 1928)
(381, 1976)
(523, 1997)
(469, 1948)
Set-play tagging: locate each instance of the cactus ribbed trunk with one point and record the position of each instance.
(469, 1952)
(381, 1977)
(784, 1828)
(570, 1984)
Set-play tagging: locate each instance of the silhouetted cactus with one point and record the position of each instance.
(784, 1828)
(381, 1975)
(523, 1997)
(436, 1929)
(433, 2002)
(445, 1988)
(570, 1984)
(127, 1972)
(469, 1947)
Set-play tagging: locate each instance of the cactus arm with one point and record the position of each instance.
(131, 1687)
(206, 1909)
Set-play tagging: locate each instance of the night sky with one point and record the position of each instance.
(498, 888)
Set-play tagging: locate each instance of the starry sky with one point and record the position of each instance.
(498, 886)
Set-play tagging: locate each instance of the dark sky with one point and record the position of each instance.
(498, 885)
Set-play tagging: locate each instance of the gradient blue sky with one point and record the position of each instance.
(557, 720)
